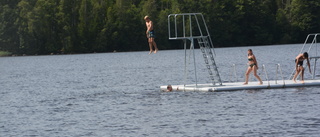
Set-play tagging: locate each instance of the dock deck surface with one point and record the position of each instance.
(240, 86)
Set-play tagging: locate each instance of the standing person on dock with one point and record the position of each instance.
(150, 35)
(253, 65)
(299, 66)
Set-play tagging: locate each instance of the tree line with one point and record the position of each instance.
(85, 26)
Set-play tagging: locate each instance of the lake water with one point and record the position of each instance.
(117, 94)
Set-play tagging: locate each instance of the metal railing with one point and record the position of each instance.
(187, 18)
(233, 73)
(279, 72)
(266, 74)
(314, 66)
(313, 43)
(279, 69)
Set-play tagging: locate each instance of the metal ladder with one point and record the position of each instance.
(208, 55)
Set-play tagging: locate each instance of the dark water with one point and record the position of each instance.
(117, 94)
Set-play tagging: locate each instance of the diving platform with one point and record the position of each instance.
(239, 86)
(192, 29)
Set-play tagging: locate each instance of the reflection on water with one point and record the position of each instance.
(118, 94)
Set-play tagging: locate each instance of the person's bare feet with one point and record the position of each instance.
(245, 83)
(294, 81)
(302, 81)
(155, 51)
(261, 83)
(150, 52)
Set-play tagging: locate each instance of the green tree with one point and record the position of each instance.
(80, 26)
(43, 26)
(168, 7)
(97, 26)
(305, 17)
(27, 44)
(68, 19)
(8, 29)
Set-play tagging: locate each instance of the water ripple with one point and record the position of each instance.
(117, 94)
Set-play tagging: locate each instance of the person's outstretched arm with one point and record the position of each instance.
(308, 62)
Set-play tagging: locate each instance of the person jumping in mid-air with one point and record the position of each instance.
(150, 35)
(299, 66)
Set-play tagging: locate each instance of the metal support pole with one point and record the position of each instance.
(314, 68)
(281, 74)
(265, 71)
(233, 73)
(175, 26)
(277, 73)
(184, 27)
(279, 69)
(194, 62)
(185, 62)
(190, 18)
(169, 27)
(316, 45)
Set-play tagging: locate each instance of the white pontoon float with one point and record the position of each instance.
(191, 27)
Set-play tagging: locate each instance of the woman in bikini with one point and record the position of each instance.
(253, 65)
(299, 66)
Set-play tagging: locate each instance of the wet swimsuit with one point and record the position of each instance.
(300, 63)
(151, 34)
(251, 65)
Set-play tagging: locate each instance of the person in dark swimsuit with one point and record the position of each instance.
(253, 65)
(299, 66)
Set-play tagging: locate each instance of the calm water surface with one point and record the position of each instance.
(117, 94)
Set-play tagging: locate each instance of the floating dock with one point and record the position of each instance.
(240, 86)
(191, 28)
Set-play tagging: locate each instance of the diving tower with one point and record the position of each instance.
(192, 27)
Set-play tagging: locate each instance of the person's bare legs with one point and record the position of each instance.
(302, 75)
(247, 75)
(295, 75)
(154, 45)
(256, 75)
(150, 45)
